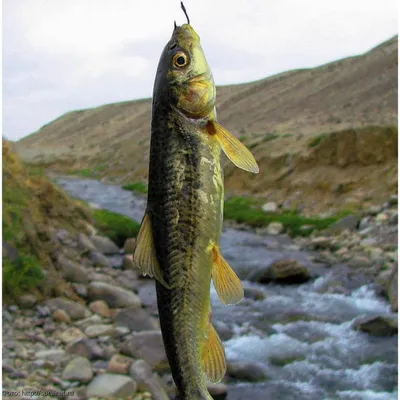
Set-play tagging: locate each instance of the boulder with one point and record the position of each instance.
(376, 326)
(114, 296)
(142, 373)
(149, 346)
(72, 308)
(246, 371)
(392, 289)
(78, 369)
(282, 271)
(71, 270)
(104, 245)
(111, 385)
(136, 319)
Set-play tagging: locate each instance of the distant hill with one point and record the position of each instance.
(324, 137)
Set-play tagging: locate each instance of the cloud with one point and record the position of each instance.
(71, 54)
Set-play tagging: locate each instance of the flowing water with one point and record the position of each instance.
(299, 336)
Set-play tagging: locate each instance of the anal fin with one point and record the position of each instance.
(213, 357)
(226, 282)
(144, 256)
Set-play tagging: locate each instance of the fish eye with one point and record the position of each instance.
(180, 60)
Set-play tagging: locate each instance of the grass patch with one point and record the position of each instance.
(270, 136)
(138, 187)
(248, 211)
(317, 140)
(21, 275)
(115, 226)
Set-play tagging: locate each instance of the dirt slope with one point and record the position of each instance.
(287, 120)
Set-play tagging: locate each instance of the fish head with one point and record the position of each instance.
(183, 76)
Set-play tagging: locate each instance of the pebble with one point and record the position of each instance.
(78, 369)
(61, 316)
(270, 207)
(111, 385)
(87, 348)
(119, 364)
(84, 242)
(114, 296)
(275, 228)
(71, 335)
(129, 245)
(99, 259)
(104, 244)
(99, 330)
(72, 308)
(101, 308)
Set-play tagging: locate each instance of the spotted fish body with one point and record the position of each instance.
(178, 242)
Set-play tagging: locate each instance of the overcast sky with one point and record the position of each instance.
(63, 55)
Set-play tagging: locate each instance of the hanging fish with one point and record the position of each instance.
(179, 238)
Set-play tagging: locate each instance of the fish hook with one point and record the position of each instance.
(184, 10)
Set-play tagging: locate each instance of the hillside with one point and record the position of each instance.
(323, 137)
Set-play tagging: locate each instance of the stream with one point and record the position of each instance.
(299, 336)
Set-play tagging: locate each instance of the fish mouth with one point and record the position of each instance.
(200, 78)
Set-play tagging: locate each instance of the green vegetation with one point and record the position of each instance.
(115, 226)
(317, 140)
(20, 275)
(89, 172)
(248, 211)
(138, 187)
(270, 136)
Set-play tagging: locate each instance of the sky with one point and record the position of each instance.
(63, 55)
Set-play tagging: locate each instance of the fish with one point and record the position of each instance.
(178, 241)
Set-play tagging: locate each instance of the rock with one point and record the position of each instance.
(349, 222)
(71, 335)
(115, 261)
(149, 346)
(367, 242)
(80, 289)
(246, 371)
(87, 348)
(373, 210)
(270, 207)
(100, 330)
(104, 245)
(147, 381)
(393, 200)
(321, 242)
(55, 355)
(281, 271)
(376, 326)
(79, 369)
(98, 259)
(94, 276)
(393, 289)
(119, 364)
(129, 245)
(394, 219)
(127, 262)
(382, 217)
(218, 391)
(254, 293)
(101, 308)
(92, 320)
(61, 316)
(27, 300)
(111, 385)
(114, 296)
(136, 319)
(275, 228)
(359, 262)
(121, 331)
(73, 309)
(84, 242)
(71, 270)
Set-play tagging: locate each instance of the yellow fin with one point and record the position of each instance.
(213, 356)
(145, 257)
(226, 282)
(234, 149)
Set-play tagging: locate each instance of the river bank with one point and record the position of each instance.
(308, 327)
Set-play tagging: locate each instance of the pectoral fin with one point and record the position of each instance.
(235, 150)
(213, 356)
(226, 282)
(144, 256)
